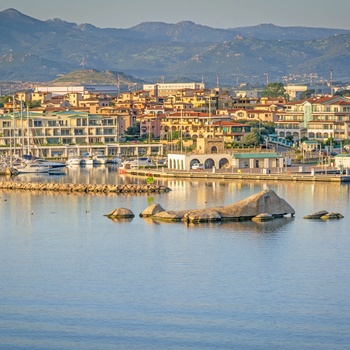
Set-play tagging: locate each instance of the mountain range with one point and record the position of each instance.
(35, 50)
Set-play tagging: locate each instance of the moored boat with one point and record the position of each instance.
(32, 168)
(99, 159)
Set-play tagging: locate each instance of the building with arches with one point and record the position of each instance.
(212, 154)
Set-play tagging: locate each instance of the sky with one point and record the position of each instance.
(213, 13)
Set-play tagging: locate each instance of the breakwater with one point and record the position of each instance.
(83, 188)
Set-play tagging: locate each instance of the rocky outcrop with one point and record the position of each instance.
(121, 213)
(316, 215)
(324, 215)
(152, 210)
(265, 201)
(207, 215)
(264, 205)
(169, 215)
(330, 216)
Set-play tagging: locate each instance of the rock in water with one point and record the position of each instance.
(121, 213)
(152, 210)
(265, 201)
(316, 215)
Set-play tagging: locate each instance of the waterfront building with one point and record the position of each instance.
(211, 153)
(56, 129)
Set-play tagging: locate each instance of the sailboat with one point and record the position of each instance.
(87, 158)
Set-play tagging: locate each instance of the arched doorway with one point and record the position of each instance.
(193, 161)
(214, 149)
(223, 163)
(209, 163)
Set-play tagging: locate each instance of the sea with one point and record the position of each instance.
(71, 278)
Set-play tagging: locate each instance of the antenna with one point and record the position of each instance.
(83, 63)
(118, 84)
(163, 79)
(10, 59)
(267, 78)
(331, 80)
(217, 81)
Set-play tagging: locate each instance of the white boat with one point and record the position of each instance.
(99, 159)
(32, 168)
(126, 165)
(86, 160)
(73, 160)
(117, 161)
(49, 163)
(144, 162)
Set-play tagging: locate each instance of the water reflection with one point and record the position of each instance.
(304, 197)
(121, 220)
(271, 226)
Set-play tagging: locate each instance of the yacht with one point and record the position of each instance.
(50, 164)
(73, 159)
(32, 168)
(86, 160)
(98, 159)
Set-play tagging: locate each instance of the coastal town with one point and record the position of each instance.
(180, 125)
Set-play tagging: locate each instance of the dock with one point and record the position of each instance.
(309, 176)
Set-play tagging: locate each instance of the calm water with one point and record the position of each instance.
(73, 279)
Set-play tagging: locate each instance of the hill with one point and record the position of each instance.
(91, 76)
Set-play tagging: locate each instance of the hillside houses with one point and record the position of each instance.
(97, 117)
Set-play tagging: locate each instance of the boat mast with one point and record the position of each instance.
(22, 130)
(28, 138)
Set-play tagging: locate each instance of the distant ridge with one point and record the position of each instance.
(34, 50)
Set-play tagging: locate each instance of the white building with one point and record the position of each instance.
(166, 89)
(63, 90)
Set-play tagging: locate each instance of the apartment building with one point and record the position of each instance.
(317, 118)
(241, 114)
(64, 127)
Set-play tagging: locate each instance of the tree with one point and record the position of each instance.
(306, 94)
(133, 130)
(252, 139)
(343, 93)
(274, 90)
(33, 104)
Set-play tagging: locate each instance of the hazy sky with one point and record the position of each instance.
(213, 13)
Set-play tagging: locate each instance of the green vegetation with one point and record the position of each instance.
(306, 94)
(274, 90)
